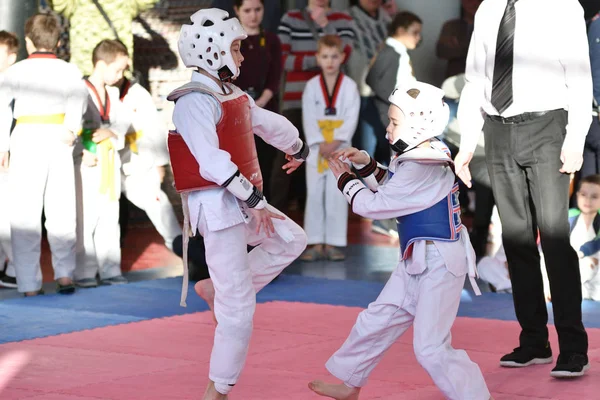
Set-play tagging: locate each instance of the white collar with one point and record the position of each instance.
(206, 81)
(396, 45)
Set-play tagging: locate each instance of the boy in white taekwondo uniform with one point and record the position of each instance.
(419, 190)
(330, 108)
(48, 103)
(9, 46)
(215, 166)
(145, 152)
(97, 167)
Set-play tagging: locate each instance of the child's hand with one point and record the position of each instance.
(68, 138)
(102, 134)
(4, 157)
(352, 154)
(338, 167)
(326, 149)
(292, 164)
(89, 159)
(263, 219)
(319, 15)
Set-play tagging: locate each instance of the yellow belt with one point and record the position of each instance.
(106, 157)
(327, 126)
(56, 119)
(131, 140)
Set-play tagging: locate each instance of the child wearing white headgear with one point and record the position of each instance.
(419, 190)
(216, 169)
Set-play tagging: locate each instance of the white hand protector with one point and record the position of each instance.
(426, 116)
(206, 43)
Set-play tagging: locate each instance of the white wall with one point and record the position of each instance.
(434, 13)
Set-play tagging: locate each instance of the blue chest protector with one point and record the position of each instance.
(439, 222)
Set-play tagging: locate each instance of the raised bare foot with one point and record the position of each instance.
(212, 394)
(206, 290)
(335, 391)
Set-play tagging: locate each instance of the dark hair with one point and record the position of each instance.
(403, 20)
(108, 50)
(9, 40)
(238, 3)
(43, 30)
(592, 179)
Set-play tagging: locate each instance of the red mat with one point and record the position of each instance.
(168, 359)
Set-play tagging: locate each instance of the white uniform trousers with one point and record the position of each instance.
(430, 302)
(237, 276)
(494, 270)
(142, 188)
(41, 178)
(98, 231)
(5, 246)
(326, 213)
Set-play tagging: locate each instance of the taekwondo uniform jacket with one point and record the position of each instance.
(196, 116)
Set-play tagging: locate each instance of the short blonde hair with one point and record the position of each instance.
(331, 41)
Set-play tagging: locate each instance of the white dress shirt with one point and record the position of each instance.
(551, 67)
(196, 116)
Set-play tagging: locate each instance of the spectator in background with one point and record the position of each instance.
(261, 76)
(299, 33)
(271, 17)
(330, 105)
(453, 43)
(89, 24)
(9, 46)
(390, 7)
(392, 66)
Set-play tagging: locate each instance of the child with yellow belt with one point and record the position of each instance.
(330, 108)
(98, 169)
(48, 98)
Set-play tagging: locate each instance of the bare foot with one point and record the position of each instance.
(212, 394)
(206, 290)
(335, 391)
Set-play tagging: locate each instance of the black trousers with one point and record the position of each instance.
(591, 151)
(484, 205)
(282, 184)
(523, 162)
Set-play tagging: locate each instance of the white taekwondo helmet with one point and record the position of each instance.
(426, 116)
(206, 43)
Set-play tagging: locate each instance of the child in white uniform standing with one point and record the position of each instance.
(48, 99)
(215, 165)
(419, 190)
(98, 169)
(330, 108)
(143, 161)
(9, 45)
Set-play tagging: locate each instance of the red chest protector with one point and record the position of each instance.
(235, 134)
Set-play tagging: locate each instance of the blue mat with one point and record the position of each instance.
(28, 318)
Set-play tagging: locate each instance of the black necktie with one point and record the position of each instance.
(502, 87)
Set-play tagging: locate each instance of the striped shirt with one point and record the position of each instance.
(298, 48)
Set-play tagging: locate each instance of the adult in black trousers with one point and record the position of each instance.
(520, 81)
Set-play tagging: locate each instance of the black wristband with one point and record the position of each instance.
(303, 153)
(344, 179)
(368, 169)
(255, 197)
